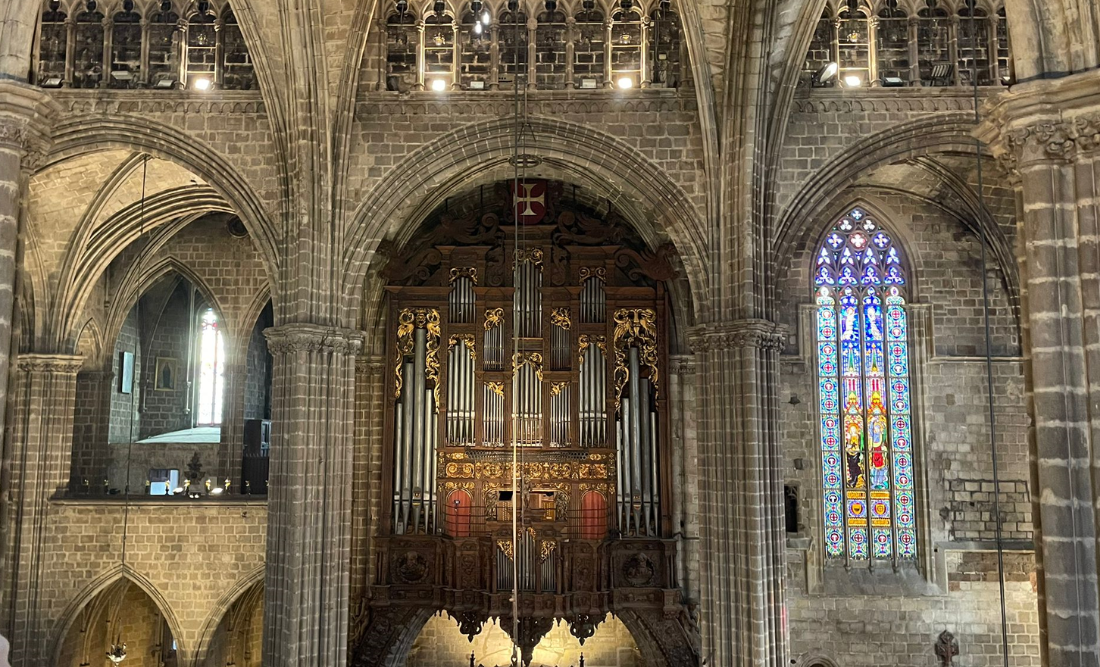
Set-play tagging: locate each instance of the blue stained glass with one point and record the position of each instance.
(864, 392)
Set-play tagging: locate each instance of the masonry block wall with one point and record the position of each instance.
(167, 329)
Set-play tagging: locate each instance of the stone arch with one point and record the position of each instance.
(388, 635)
(815, 659)
(173, 208)
(139, 284)
(255, 308)
(819, 195)
(247, 585)
(72, 610)
(623, 175)
(77, 136)
(93, 337)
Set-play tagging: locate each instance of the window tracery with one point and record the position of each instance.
(860, 285)
(133, 46)
(892, 44)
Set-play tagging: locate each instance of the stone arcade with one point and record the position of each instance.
(643, 333)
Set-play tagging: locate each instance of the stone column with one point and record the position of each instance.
(914, 51)
(1049, 134)
(742, 544)
(570, 51)
(40, 449)
(370, 383)
(309, 498)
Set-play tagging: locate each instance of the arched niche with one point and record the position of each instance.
(238, 638)
(120, 614)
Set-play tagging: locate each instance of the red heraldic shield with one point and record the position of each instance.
(529, 203)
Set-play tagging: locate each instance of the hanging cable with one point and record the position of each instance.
(133, 392)
(983, 241)
(517, 495)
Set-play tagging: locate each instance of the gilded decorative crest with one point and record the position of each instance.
(545, 549)
(560, 317)
(635, 327)
(496, 387)
(470, 273)
(408, 321)
(534, 359)
(557, 387)
(533, 255)
(465, 339)
(593, 272)
(494, 317)
(587, 340)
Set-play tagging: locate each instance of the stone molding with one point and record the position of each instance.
(882, 101)
(26, 114)
(738, 334)
(65, 364)
(293, 338)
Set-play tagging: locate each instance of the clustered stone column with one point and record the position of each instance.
(41, 432)
(370, 375)
(741, 494)
(309, 498)
(1049, 134)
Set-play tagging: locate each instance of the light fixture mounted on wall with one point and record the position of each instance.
(824, 76)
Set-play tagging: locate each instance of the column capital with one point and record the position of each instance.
(368, 363)
(65, 364)
(737, 334)
(25, 117)
(293, 338)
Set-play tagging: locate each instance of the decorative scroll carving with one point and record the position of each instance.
(546, 547)
(408, 321)
(656, 265)
(60, 364)
(494, 317)
(531, 632)
(533, 359)
(506, 547)
(596, 272)
(583, 626)
(470, 273)
(560, 317)
(533, 255)
(557, 387)
(580, 229)
(465, 339)
(469, 623)
(585, 341)
(496, 387)
(635, 327)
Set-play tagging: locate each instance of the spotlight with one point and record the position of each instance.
(477, 28)
(822, 76)
(177, 491)
(51, 82)
(893, 82)
(202, 84)
(165, 83)
(852, 81)
(626, 82)
(439, 85)
(485, 18)
(217, 491)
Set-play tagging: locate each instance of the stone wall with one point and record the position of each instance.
(165, 410)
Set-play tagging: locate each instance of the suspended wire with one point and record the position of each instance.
(517, 495)
(983, 241)
(133, 393)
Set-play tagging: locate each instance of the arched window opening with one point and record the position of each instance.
(892, 45)
(626, 49)
(211, 370)
(53, 42)
(589, 50)
(854, 49)
(237, 69)
(860, 284)
(550, 51)
(475, 57)
(125, 50)
(1003, 62)
(439, 52)
(821, 51)
(402, 46)
(975, 44)
(257, 407)
(165, 47)
(202, 51)
(459, 513)
(664, 55)
(512, 31)
(934, 47)
(88, 50)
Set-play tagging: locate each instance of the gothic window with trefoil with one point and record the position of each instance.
(860, 284)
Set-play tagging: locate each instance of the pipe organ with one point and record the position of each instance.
(550, 338)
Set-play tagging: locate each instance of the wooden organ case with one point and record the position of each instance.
(552, 336)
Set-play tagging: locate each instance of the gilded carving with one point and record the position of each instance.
(560, 317)
(587, 340)
(557, 387)
(496, 387)
(465, 339)
(459, 470)
(408, 321)
(594, 272)
(533, 255)
(494, 317)
(635, 327)
(533, 359)
(546, 547)
(468, 272)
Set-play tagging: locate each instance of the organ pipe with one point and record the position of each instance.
(415, 418)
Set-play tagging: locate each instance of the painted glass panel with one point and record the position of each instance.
(863, 390)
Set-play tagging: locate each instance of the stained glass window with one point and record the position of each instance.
(211, 371)
(863, 384)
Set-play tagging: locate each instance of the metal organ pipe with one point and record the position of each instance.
(416, 438)
(636, 434)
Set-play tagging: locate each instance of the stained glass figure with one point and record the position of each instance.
(863, 389)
